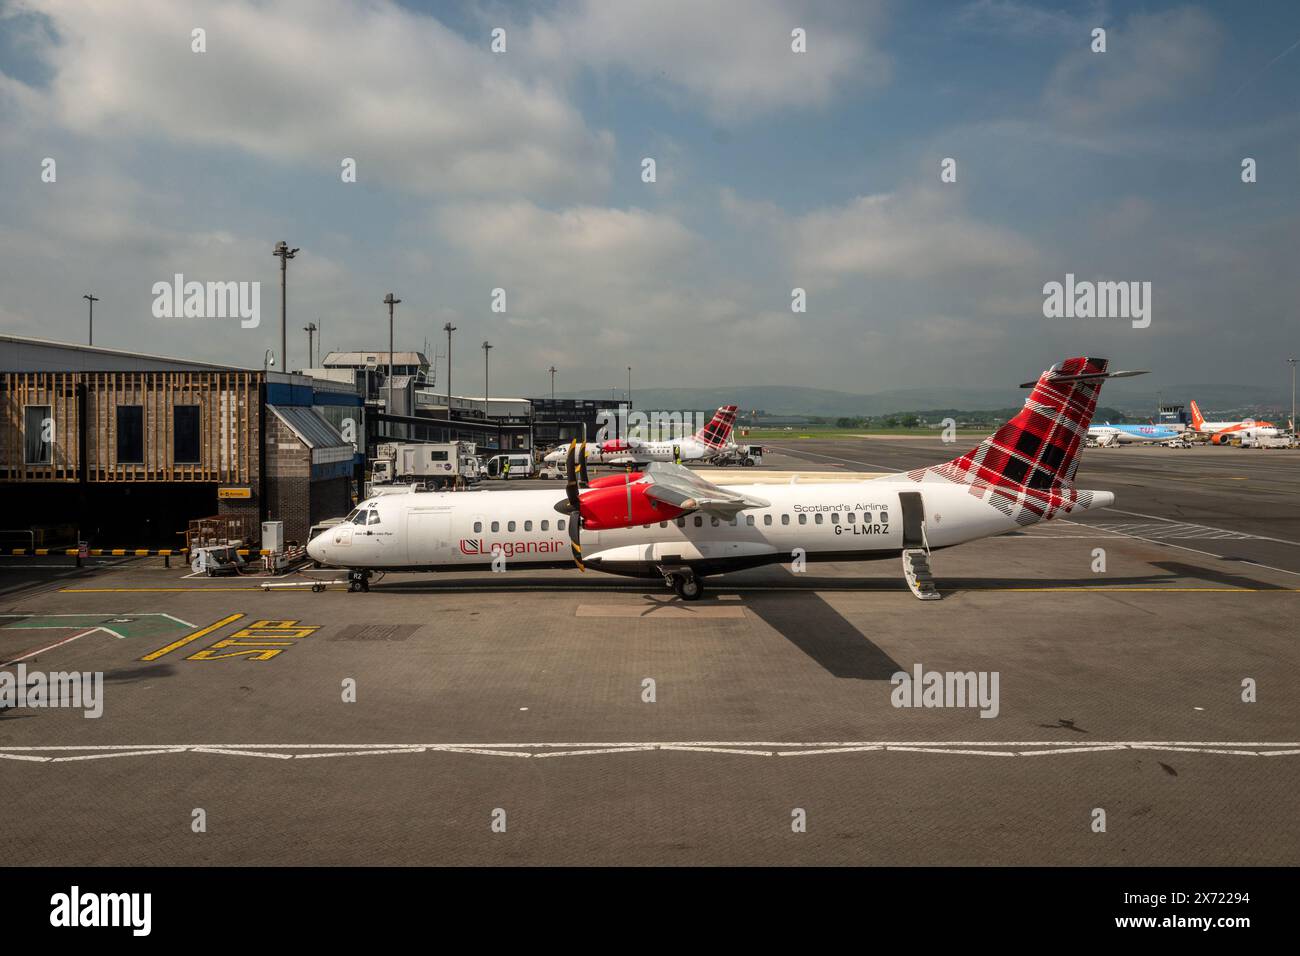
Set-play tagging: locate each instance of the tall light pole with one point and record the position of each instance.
(284, 253)
(390, 301)
(552, 371)
(310, 329)
(1292, 363)
(91, 300)
(449, 328)
(487, 347)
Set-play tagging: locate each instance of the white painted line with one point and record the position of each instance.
(949, 750)
(719, 750)
(583, 753)
(1069, 750)
(25, 757)
(481, 750)
(120, 753)
(1166, 544)
(1201, 750)
(1138, 514)
(361, 753)
(241, 753)
(825, 750)
(777, 744)
(176, 619)
(66, 640)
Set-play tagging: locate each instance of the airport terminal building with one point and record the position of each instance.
(124, 449)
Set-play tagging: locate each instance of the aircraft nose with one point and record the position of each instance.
(316, 548)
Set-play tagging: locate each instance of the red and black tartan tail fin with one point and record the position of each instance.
(1039, 448)
(718, 431)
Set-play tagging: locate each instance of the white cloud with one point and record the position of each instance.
(1017, 19)
(733, 57)
(1150, 60)
(301, 82)
(916, 234)
(586, 277)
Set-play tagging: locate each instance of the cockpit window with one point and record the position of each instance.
(359, 517)
(351, 515)
(373, 518)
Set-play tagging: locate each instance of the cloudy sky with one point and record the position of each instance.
(522, 170)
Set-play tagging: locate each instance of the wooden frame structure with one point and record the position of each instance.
(228, 441)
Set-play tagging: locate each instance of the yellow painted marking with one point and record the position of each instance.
(291, 629)
(143, 590)
(255, 650)
(1175, 590)
(260, 648)
(42, 550)
(191, 637)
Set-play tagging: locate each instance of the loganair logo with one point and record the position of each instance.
(474, 546)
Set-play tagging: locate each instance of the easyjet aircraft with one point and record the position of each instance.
(669, 523)
(1221, 433)
(710, 440)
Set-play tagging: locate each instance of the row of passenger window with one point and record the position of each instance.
(528, 525)
(819, 517)
(850, 517)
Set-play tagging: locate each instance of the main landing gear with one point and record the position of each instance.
(358, 580)
(685, 584)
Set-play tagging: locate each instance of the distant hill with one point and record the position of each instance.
(1131, 397)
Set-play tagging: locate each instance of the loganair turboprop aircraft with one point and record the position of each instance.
(1125, 434)
(667, 522)
(710, 440)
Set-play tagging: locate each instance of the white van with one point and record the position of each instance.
(521, 466)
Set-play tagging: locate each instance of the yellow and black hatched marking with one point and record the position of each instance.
(262, 640)
(100, 552)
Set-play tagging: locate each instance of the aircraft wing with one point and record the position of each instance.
(684, 489)
(623, 458)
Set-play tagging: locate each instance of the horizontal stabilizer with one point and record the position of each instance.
(1087, 377)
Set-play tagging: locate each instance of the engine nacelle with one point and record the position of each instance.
(614, 444)
(607, 508)
(613, 481)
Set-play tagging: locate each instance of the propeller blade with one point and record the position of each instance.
(582, 467)
(571, 478)
(575, 539)
(573, 503)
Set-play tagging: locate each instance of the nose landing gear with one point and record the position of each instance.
(685, 584)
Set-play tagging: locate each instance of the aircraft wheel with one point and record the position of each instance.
(688, 587)
(748, 462)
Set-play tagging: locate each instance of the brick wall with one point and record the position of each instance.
(291, 495)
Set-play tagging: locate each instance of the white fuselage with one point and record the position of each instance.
(1212, 427)
(831, 521)
(688, 448)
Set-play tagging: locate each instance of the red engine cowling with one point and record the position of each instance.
(613, 481)
(614, 444)
(606, 508)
